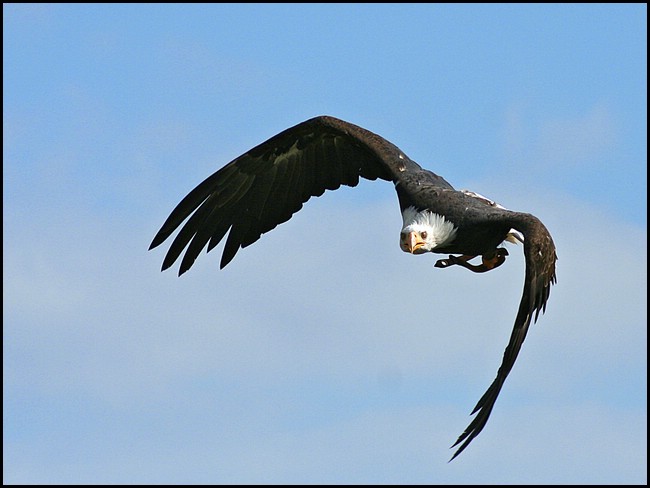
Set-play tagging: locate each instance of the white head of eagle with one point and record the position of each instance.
(423, 231)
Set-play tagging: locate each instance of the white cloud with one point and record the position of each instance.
(308, 315)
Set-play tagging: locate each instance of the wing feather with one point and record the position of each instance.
(265, 186)
(540, 256)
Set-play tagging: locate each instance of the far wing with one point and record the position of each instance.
(265, 186)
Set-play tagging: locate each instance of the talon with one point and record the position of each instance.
(493, 261)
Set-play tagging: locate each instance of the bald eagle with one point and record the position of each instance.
(265, 186)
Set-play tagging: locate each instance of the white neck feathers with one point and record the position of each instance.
(440, 231)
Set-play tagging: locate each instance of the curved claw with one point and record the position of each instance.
(491, 262)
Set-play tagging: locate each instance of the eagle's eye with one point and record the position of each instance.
(402, 236)
(423, 234)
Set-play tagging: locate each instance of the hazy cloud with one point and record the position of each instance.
(306, 317)
(535, 141)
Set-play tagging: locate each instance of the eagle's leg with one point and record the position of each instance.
(489, 261)
(461, 260)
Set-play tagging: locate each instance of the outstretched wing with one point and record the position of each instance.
(540, 256)
(265, 186)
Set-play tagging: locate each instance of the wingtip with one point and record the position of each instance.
(157, 241)
(458, 451)
(184, 267)
(460, 439)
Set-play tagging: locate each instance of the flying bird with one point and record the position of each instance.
(265, 186)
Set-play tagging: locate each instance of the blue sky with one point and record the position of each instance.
(312, 358)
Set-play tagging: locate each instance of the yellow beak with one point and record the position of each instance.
(414, 242)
